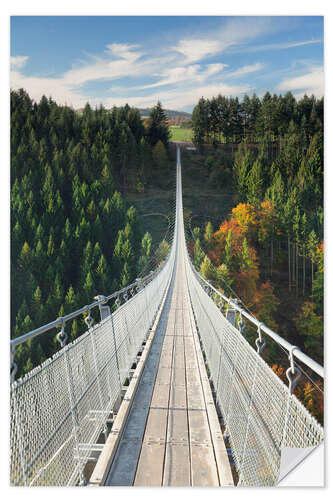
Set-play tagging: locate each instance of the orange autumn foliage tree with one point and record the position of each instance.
(220, 238)
(246, 218)
(232, 246)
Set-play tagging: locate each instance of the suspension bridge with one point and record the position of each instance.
(164, 390)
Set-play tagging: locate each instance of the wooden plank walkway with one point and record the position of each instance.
(171, 436)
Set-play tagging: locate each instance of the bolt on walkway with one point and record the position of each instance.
(172, 436)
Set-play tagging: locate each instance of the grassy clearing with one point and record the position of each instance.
(180, 134)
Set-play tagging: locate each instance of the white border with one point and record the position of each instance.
(141, 7)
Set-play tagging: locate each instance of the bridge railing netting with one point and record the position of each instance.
(259, 411)
(59, 409)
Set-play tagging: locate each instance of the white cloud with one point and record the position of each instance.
(310, 83)
(233, 32)
(244, 70)
(123, 62)
(17, 62)
(279, 46)
(124, 51)
(53, 87)
(194, 73)
(195, 50)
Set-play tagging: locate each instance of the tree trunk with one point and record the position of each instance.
(296, 257)
(304, 273)
(289, 269)
(293, 261)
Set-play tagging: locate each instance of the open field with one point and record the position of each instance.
(180, 134)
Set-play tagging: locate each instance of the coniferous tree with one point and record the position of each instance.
(157, 127)
(65, 170)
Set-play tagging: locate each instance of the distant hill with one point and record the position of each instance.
(178, 116)
(171, 115)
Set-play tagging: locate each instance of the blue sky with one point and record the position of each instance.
(175, 59)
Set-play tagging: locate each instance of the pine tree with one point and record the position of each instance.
(198, 254)
(159, 156)
(89, 288)
(157, 127)
(312, 244)
(242, 164)
(228, 258)
(200, 122)
(208, 236)
(255, 184)
(162, 251)
(37, 306)
(70, 300)
(245, 262)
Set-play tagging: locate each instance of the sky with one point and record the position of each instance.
(114, 60)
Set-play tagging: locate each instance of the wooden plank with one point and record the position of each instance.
(199, 428)
(151, 461)
(163, 375)
(220, 452)
(156, 425)
(203, 467)
(160, 396)
(178, 397)
(177, 470)
(177, 465)
(178, 376)
(195, 398)
(178, 358)
(150, 467)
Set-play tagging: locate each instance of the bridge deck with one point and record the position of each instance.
(172, 435)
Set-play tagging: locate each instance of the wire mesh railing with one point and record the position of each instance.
(59, 410)
(261, 415)
(260, 412)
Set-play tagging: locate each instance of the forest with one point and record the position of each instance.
(73, 235)
(269, 251)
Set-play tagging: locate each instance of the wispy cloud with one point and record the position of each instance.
(197, 49)
(309, 83)
(276, 46)
(233, 33)
(120, 60)
(192, 73)
(17, 62)
(244, 70)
